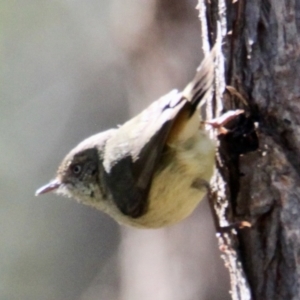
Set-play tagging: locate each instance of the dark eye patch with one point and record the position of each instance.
(92, 168)
(84, 165)
(76, 169)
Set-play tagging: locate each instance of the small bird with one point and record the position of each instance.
(153, 170)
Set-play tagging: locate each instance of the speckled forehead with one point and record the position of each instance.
(64, 166)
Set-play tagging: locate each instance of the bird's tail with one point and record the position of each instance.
(197, 91)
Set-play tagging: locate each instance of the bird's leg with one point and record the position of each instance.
(234, 225)
(218, 123)
(200, 183)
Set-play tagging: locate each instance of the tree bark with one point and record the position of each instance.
(262, 62)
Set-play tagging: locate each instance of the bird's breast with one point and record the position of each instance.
(173, 194)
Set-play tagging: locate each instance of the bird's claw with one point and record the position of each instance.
(218, 123)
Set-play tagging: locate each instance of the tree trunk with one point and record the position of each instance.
(262, 62)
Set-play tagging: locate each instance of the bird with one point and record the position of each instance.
(153, 170)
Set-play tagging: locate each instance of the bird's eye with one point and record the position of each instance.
(76, 169)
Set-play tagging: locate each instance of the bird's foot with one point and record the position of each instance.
(218, 123)
(235, 225)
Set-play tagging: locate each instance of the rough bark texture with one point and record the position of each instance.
(262, 61)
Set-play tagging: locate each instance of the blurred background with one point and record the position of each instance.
(70, 69)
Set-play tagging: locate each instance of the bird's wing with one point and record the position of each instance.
(132, 154)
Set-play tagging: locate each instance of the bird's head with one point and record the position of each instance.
(77, 176)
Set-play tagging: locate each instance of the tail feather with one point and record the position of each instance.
(202, 85)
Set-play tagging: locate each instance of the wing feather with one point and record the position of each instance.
(133, 153)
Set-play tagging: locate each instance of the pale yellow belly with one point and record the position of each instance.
(172, 196)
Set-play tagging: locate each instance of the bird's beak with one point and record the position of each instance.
(49, 187)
